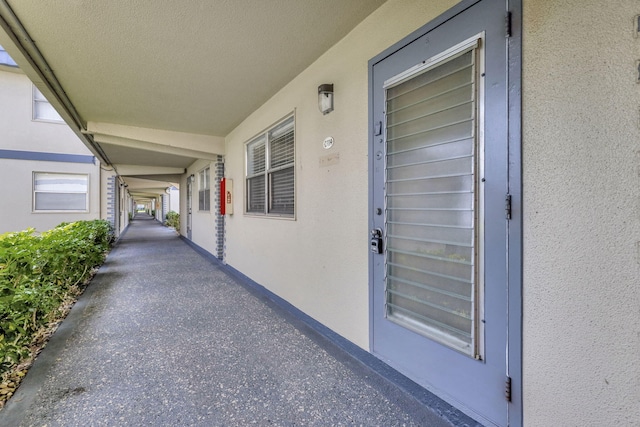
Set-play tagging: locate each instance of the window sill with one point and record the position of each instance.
(55, 122)
(58, 211)
(270, 216)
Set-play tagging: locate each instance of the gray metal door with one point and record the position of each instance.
(189, 204)
(438, 181)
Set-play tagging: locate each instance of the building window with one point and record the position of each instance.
(270, 183)
(60, 192)
(43, 110)
(204, 187)
(5, 59)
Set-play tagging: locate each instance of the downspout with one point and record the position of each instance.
(20, 37)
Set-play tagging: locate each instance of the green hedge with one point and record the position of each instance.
(38, 273)
(173, 220)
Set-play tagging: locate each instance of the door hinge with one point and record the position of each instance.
(507, 206)
(507, 25)
(507, 389)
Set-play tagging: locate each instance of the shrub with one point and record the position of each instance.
(173, 220)
(38, 273)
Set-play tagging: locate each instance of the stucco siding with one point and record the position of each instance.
(203, 222)
(174, 200)
(32, 139)
(20, 132)
(17, 195)
(581, 201)
(318, 261)
(581, 172)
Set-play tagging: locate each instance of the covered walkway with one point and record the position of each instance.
(166, 336)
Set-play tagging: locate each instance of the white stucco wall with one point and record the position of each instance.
(174, 200)
(19, 132)
(204, 222)
(184, 209)
(581, 173)
(318, 261)
(17, 212)
(581, 144)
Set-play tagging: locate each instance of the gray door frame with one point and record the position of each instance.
(190, 180)
(513, 20)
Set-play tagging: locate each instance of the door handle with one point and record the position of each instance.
(376, 241)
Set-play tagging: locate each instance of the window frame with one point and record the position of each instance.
(42, 100)
(204, 189)
(268, 171)
(86, 192)
(6, 60)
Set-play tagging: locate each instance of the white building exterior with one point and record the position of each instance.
(50, 176)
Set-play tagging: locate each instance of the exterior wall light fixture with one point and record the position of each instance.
(325, 98)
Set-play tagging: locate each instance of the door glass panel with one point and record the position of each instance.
(431, 202)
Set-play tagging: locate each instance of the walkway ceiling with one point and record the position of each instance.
(161, 83)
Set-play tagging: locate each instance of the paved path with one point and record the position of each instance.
(164, 337)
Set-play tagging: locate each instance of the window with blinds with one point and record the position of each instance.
(60, 192)
(204, 190)
(5, 59)
(432, 200)
(42, 109)
(270, 180)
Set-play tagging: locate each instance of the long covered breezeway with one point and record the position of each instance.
(451, 186)
(166, 336)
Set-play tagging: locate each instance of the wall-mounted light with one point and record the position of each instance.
(325, 98)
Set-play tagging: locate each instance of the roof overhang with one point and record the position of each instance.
(162, 83)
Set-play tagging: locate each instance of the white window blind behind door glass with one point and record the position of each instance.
(431, 207)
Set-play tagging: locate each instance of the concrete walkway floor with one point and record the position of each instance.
(164, 336)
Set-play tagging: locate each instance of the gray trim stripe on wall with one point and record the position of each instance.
(47, 157)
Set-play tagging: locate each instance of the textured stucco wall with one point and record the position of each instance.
(19, 132)
(581, 174)
(318, 262)
(581, 177)
(204, 222)
(16, 210)
(174, 200)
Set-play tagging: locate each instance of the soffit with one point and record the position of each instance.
(135, 156)
(198, 66)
